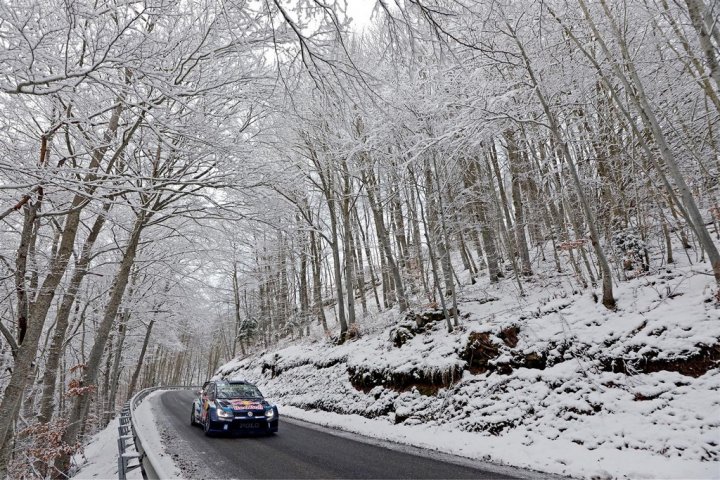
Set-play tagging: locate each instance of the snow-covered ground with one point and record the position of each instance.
(99, 460)
(550, 381)
(564, 458)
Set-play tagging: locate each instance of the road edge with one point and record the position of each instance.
(502, 469)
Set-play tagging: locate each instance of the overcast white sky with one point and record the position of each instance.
(360, 11)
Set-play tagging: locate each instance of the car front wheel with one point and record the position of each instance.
(193, 422)
(206, 425)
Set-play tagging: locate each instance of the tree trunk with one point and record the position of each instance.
(303, 284)
(433, 265)
(348, 244)
(368, 255)
(445, 241)
(28, 237)
(698, 12)
(117, 291)
(371, 186)
(337, 269)
(62, 319)
(141, 361)
(492, 157)
(236, 304)
(23, 372)
(317, 285)
(359, 266)
(435, 231)
(486, 231)
(516, 167)
(417, 239)
(115, 373)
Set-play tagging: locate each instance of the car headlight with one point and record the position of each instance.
(270, 413)
(223, 414)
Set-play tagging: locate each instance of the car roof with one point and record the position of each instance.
(233, 382)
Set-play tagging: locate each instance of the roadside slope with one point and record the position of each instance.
(550, 381)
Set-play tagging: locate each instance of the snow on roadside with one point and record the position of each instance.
(575, 390)
(556, 457)
(152, 442)
(100, 457)
(99, 460)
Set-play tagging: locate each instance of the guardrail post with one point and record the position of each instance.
(122, 462)
(124, 433)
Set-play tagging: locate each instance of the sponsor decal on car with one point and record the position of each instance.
(245, 405)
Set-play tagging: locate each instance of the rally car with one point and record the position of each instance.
(233, 407)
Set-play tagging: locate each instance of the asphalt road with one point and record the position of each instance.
(302, 451)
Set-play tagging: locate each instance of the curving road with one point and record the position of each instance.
(302, 450)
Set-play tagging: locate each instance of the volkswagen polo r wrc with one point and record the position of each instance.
(233, 407)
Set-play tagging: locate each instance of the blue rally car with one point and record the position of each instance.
(233, 407)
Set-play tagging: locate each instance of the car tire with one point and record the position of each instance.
(206, 426)
(192, 417)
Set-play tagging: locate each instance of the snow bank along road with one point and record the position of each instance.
(298, 451)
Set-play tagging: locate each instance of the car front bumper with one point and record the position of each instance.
(245, 425)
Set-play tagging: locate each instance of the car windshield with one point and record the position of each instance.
(238, 391)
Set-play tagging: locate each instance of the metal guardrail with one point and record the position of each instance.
(148, 460)
(125, 433)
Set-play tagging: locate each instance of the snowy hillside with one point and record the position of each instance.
(551, 381)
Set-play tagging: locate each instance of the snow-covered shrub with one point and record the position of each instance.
(633, 248)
